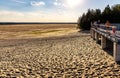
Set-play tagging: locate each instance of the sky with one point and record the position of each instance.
(48, 10)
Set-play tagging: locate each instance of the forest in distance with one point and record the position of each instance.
(111, 14)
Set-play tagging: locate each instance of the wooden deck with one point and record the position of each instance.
(102, 34)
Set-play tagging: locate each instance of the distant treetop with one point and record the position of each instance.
(111, 14)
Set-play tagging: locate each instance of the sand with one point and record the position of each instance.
(26, 31)
(52, 51)
(75, 55)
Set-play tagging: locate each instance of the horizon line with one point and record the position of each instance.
(38, 23)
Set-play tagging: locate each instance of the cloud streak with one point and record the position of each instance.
(19, 1)
(37, 16)
(37, 3)
(10, 13)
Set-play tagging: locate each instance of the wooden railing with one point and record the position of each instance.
(108, 30)
(103, 34)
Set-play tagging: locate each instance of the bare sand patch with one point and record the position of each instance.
(35, 30)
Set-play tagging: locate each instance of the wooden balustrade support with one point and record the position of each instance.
(116, 51)
(97, 36)
(103, 42)
(94, 35)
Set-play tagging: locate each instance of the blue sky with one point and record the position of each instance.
(48, 10)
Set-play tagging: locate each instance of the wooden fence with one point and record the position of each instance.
(102, 34)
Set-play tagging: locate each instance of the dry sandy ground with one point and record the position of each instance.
(74, 55)
(20, 31)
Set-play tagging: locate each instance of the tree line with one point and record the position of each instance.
(111, 14)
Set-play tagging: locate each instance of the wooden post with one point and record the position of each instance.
(96, 37)
(116, 51)
(99, 36)
(93, 34)
(103, 42)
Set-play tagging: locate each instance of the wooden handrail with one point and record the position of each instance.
(102, 25)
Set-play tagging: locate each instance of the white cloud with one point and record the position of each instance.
(74, 3)
(57, 4)
(35, 3)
